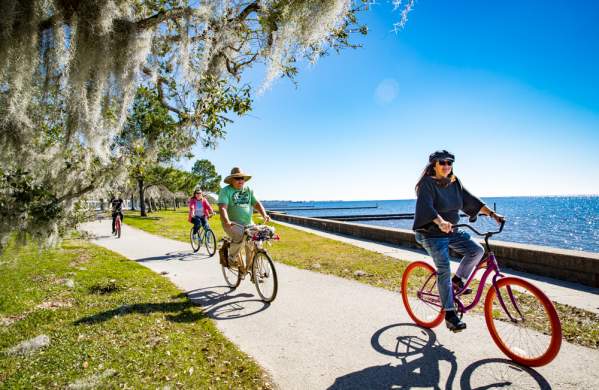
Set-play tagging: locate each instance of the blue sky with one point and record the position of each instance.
(511, 88)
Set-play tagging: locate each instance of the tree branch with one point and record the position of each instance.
(156, 19)
(77, 194)
(251, 7)
(159, 83)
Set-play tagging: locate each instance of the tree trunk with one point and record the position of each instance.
(132, 200)
(142, 201)
(101, 204)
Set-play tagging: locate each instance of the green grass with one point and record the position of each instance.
(121, 325)
(309, 251)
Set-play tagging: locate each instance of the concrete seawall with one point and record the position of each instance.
(575, 266)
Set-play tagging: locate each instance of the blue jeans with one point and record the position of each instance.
(438, 249)
(199, 221)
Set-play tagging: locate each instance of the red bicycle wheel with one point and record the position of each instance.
(526, 326)
(420, 295)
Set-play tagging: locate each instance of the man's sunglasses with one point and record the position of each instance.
(443, 163)
(239, 178)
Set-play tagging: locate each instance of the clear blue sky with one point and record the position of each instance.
(512, 88)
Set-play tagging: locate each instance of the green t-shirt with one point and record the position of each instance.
(240, 204)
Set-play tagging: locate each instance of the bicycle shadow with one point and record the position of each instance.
(419, 356)
(220, 303)
(187, 255)
(494, 373)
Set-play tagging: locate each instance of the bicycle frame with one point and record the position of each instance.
(435, 299)
(492, 267)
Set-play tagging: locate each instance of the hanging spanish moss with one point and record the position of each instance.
(70, 68)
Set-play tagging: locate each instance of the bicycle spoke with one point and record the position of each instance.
(525, 326)
(265, 277)
(420, 295)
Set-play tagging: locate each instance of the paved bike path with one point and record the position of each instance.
(326, 332)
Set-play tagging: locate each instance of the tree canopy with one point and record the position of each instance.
(208, 178)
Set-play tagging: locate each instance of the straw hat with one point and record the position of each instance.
(236, 172)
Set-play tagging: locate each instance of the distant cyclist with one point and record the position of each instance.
(440, 197)
(236, 204)
(199, 211)
(116, 204)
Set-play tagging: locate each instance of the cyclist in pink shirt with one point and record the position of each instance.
(199, 211)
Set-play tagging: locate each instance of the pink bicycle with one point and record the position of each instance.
(522, 321)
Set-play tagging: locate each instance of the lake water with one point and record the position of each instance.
(570, 222)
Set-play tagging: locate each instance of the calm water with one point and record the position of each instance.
(570, 222)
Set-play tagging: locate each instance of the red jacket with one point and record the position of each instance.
(192, 207)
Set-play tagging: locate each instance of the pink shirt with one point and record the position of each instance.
(193, 205)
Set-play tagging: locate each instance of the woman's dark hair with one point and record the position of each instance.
(429, 170)
(193, 195)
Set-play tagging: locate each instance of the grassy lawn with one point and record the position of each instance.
(111, 324)
(309, 251)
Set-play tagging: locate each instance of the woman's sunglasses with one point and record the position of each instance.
(443, 163)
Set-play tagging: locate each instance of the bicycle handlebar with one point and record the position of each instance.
(489, 234)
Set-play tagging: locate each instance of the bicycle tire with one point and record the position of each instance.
(420, 277)
(263, 270)
(210, 242)
(543, 329)
(195, 244)
(117, 224)
(232, 276)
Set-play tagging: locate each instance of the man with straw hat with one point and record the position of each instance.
(236, 203)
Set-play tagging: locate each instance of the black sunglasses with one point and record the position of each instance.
(239, 178)
(445, 162)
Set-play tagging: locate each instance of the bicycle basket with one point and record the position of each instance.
(223, 252)
(264, 233)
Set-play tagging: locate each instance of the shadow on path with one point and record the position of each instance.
(496, 373)
(187, 255)
(418, 357)
(221, 303)
(96, 237)
(217, 302)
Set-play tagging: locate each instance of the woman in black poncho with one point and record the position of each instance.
(440, 197)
